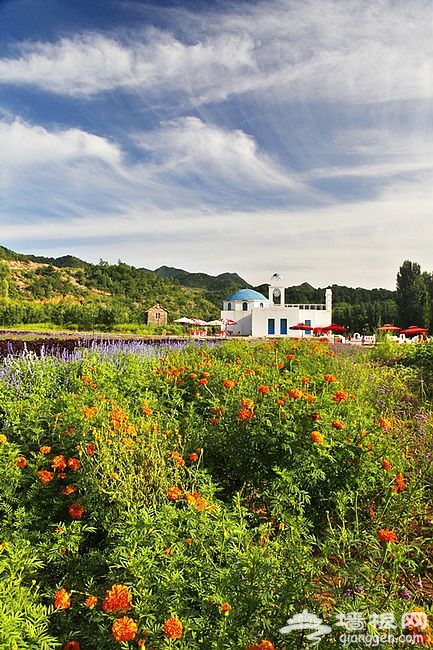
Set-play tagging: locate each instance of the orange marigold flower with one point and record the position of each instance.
(281, 402)
(202, 382)
(214, 420)
(21, 462)
(117, 599)
(146, 410)
(261, 645)
(174, 493)
(90, 449)
(316, 417)
(295, 393)
(59, 462)
(385, 423)
(245, 414)
(225, 608)
(173, 628)
(386, 464)
(330, 379)
(72, 645)
(250, 371)
(188, 541)
(305, 380)
(264, 390)
(89, 412)
(74, 463)
(3, 438)
(193, 457)
(69, 489)
(337, 424)
(340, 396)
(371, 513)
(290, 357)
(76, 511)
(386, 535)
(45, 476)
(400, 484)
(91, 601)
(247, 403)
(229, 383)
(124, 629)
(62, 599)
(45, 449)
(317, 437)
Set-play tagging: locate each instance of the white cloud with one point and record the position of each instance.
(316, 49)
(188, 147)
(25, 144)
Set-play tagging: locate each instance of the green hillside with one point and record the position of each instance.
(70, 292)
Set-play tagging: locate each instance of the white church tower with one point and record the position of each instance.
(276, 290)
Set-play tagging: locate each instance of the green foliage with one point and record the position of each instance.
(251, 475)
(412, 296)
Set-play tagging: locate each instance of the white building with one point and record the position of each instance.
(256, 315)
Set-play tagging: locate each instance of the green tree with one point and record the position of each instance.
(412, 296)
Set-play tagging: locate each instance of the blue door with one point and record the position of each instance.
(283, 325)
(271, 325)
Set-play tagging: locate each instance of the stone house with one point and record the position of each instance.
(156, 315)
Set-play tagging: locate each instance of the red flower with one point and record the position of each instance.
(72, 645)
(116, 599)
(386, 464)
(317, 437)
(45, 449)
(76, 511)
(174, 493)
(330, 378)
(193, 457)
(340, 396)
(124, 629)
(229, 383)
(21, 462)
(45, 476)
(59, 462)
(400, 484)
(264, 390)
(173, 628)
(74, 463)
(91, 601)
(337, 424)
(295, 393)
(386, 535)
(245, 414)
(62, 599)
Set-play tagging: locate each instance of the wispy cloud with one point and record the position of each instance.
(321, 49)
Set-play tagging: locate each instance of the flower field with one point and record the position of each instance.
(199, 497)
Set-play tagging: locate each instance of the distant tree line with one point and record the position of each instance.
(107, 296)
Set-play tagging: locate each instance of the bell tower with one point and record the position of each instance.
(276, 290)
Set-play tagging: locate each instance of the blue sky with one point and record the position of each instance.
(251, 137)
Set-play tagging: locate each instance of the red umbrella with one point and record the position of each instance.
(413, 330)
(301, 326)
(389, 327)
(333, 327)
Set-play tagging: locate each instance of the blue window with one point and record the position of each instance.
(283, 325)
(308, 322)
(271, 325)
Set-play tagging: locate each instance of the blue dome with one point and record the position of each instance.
(246, 294)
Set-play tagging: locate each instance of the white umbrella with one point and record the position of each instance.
(197, 321)
(187, 321)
